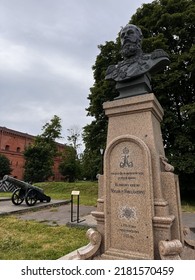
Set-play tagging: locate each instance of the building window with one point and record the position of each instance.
(18, 150)
(7, 147)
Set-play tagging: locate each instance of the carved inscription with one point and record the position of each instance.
(127, 182)
(128, 206)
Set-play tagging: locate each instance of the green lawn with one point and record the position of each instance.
(62, 190)
(188, 205)
(31, 240)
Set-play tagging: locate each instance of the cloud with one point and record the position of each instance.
(13, 57)
(47, 49)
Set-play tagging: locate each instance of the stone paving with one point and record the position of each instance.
(61, 215)
(7, 207)
(58, 212)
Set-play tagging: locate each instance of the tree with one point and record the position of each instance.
(166, 24)
(69, 167)
(171, 26)
(52, 129)
(5, 166)
(51, 132)
(40, 156)
(94, 134)
(39, 162)
(74, 138)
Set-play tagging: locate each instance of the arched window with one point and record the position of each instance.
(7, 147)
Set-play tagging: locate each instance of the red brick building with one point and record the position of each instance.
(12, 145)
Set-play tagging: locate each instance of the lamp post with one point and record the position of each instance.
(102, 157)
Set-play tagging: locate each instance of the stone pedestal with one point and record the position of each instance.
(140, 203)
(138, 208)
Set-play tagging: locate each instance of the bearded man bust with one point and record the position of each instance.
(133, 74)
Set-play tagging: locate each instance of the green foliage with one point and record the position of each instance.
(39, 162)
(51, 132)
(171, 26)
(91, 163)
(70, 166)
(5, 166)
(94, 135)
(94, 138)
(166, 24)
(40, 156)
(52, 129)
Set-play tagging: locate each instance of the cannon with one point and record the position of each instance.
(25, 191)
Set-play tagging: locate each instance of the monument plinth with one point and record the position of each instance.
(134, 180)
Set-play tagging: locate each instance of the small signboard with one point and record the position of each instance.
(75, 193)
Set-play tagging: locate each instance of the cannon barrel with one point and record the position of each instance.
(21, 184)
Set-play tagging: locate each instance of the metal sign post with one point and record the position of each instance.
(75, 193)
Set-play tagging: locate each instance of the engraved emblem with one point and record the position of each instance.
(128, 213)
(125, 159)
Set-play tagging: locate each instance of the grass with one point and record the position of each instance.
(62, 190)
(188, 200)
(31, 240)
(5, 194)
(188, 205)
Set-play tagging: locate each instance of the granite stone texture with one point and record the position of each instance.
(128, 199)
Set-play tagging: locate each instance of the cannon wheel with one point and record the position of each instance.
(31, 197)
(17, 197)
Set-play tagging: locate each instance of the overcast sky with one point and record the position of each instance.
(47, 49)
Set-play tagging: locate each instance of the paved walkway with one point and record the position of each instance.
(58, 212)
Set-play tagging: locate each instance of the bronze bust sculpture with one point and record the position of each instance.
(134, 72)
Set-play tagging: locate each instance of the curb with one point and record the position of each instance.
(5, 198)
(35, 208)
